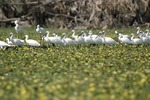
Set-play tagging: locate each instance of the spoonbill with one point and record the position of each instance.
(56, 40)
(123, 36)
(109, 40)
(99, 39)
(73, 34)
(9, 42)
(145, 40)
(41, 32)
(136, 41)
(15, 42)
(68, 41)
(3, 44)
(19, 29)
(88, 39)
(31, 41)
(124, 40)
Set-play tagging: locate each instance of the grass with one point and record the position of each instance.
(75, 73)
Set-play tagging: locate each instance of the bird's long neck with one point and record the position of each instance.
(26, 38)
(11, 37)
(8, 41)
(132, 37)
(63, 37)
(73, 34)
(138, 31)
(47, 35)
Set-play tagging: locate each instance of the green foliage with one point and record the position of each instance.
(99, 72)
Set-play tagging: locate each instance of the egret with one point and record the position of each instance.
(108, 40)
(15, 42)
(136, 41)
(124, 40)
(19, 29)
(68, 41)
(31, 41)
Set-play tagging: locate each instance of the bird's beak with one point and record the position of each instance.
(79, 35)
(69, 34)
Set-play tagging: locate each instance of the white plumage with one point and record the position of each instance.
(124, 40)
(56, 40)
(136, 41)
(40, 30)
(15, 42)
(123, 36)
(68, 41)
(19, 29)
(31, 41)
(3, 44)
(108, 40)
(88, 39)
(98, 39)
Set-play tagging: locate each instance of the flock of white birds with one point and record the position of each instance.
(82, 38)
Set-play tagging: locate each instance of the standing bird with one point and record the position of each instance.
(41, 32)
(108, 40)
(15, 42)
(31, 41)
(73, 34)
(68, 41)
(19, 29)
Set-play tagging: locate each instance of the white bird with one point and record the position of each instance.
(56, 40)
(19, 29)
(147, 33)
(47, 40)
(136, 41)
(3, 44)
(40, 30)
(68, 41)
(73, 34)
(124, 40)
(88, 39)
(15, 42)
(99, 39)
(93, 36)
(108, 40)
(145, 40)
(123, 36)
(138, 30)
(31, 41)
(9, 42)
